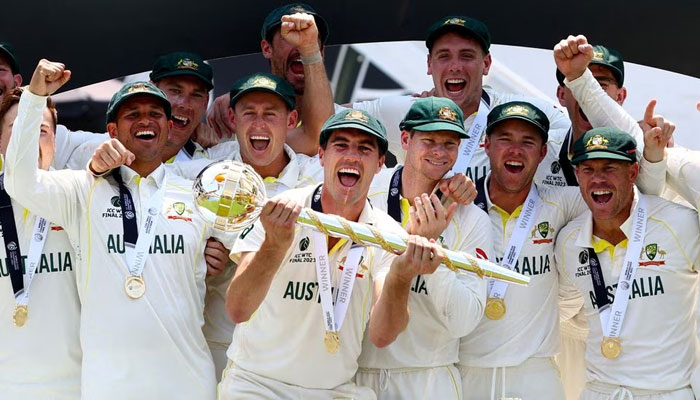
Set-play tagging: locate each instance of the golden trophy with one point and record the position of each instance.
(229, 195)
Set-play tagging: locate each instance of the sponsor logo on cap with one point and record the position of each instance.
(263, 81)
(517, 110)
(447, 113)
(356, 115)
(597, 142)
(455, 21)
(186, 63)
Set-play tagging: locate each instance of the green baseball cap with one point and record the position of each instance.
(136, 89)
(462, 25)
(181, 63)
(8, 52)
(521, 110)
(274, 19)
(264, 82)
(605, 143)
(608, 58)
(431, 114)
(355, 119)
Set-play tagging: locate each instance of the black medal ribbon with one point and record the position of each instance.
(485, 96)
(601, 294)
(480, 200)
(190, 148)
(9, 236)
(393, 200)
(316, 199)
(566, 167)
(131, 231)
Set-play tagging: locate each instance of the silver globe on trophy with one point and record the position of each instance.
(229, 195)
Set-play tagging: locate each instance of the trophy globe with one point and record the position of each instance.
(229, 195)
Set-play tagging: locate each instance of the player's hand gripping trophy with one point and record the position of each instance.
(230, 196)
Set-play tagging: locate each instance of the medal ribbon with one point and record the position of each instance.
(136, 245)
(470, 144)
(187, 151)
(12, 247)
(333, 315)
(394, 198)
(566, 168)
(611, 317)
(523, 225)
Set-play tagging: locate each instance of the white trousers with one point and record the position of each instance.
(237, 383)
(534, 379)
(442, 383)
(603, 391)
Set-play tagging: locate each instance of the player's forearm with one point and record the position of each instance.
(253, 278)
(390, 313)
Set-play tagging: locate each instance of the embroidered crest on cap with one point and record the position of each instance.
(455, 21)
(517, 110)
(447, 113)
(356, 115)
(186, 63)
(139, 87)
(597, 142)
(263, 81)
(598, 56)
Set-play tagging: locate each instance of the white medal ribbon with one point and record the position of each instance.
(611, 317)
(333, 316)
(136, 255)
(497, 289)
(469, 145)
(36, 247)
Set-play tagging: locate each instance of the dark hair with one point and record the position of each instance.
(12, 97)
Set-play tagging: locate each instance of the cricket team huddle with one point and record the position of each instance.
(135, 295)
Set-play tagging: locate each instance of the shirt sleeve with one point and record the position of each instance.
(683, 173)
(250, 239)
(570, 297)
(82, 155)
(602, 110)
(68, 141)
(460, 298)
(54, 195)
(652, 176)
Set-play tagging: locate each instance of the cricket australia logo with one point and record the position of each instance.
(542, 233)
(178, 210)
(652, 254)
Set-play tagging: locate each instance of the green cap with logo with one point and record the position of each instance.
(608, 58)
(8, 52)
(355, 119)
(274, 19)
(264, 82)
(136, 89)
(182, 63)
(521, 110)
(605, 143)
(462, 25)
(431, 114)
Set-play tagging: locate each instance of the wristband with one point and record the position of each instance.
(312, 59)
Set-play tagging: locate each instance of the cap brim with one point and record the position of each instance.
(354, 125)
(184, 72)
(243, 92)
(600, 155)
(441, 126)
(540, 128)
(166, 104)
(619, 77)
(430, 41)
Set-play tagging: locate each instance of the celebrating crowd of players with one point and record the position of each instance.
(134, 296)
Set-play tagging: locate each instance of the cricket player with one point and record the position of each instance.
(458, 58)
(140, 261)
(637, 254)
(444, 305)
(515, 344)
(41, 355)
(292, 40)
(284, 347)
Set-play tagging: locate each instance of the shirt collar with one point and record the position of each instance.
(585, 236)
(289, 175)
(157, 176)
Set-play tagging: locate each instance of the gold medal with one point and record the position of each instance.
(20, 316)
(135, 287)
(611, 348)
(495, 308)
(332, 342)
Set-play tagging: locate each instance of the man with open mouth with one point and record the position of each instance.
(458, 59)
(633, 254)
(287, 345)
(444, 305)
(515, 343)
(140, 274)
